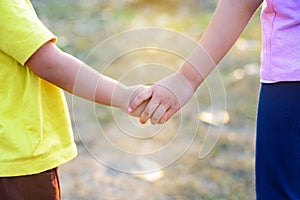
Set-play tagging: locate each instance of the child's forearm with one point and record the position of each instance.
(228, 22)
(72, 75)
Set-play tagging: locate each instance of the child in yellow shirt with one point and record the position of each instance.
(35, 131)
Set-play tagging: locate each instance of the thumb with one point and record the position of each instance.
(139, 99)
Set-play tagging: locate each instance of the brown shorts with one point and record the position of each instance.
(43, 186)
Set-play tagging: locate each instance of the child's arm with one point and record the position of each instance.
(74, 76)
(228, 22)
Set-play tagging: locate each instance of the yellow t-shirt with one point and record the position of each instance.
(35, 130)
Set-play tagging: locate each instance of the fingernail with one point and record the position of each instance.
(129, 109)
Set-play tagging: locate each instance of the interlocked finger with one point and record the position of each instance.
(158, 114)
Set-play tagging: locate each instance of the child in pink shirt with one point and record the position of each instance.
(278, 122)
(280, 38)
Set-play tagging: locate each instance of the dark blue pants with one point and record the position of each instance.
(277, 164)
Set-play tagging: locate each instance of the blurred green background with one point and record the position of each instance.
(227, 171)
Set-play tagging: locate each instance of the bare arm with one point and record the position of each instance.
(74, 76)
(228, 22)
(225, 27)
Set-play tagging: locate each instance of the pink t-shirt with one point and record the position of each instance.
(280, 56)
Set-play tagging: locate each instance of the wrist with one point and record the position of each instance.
(198, 66)
(191, 75)
(120, 97)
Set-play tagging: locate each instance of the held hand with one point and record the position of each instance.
(167, 97)
(123, 95)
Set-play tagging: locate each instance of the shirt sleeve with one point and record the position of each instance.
(21, 31)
